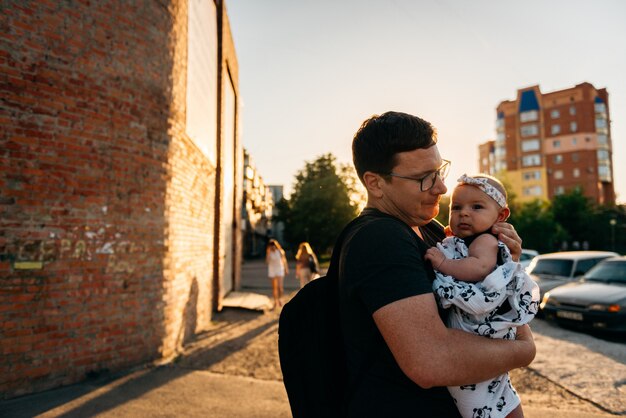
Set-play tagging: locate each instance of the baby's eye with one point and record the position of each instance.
(477, 206)
(455, 207)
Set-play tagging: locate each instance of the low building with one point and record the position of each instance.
(120, 178)
(256, 212)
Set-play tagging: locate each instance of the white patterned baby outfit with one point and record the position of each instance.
(493, 308)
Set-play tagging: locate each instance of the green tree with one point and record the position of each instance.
(320, 205)
(575, 213)
(444, 210)
(535, 224)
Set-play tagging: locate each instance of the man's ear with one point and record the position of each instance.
(504, 214)
(373, 183)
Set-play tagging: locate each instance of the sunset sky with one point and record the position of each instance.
(311, 71)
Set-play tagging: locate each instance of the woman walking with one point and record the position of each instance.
(306, 263)
(276, 269)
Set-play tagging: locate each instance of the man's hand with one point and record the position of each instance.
(508, 235)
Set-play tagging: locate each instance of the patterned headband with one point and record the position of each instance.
(483, 184)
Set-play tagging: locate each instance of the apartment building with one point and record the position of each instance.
(550, 143)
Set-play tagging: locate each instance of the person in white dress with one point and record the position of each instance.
(487, 292)
(276, 269)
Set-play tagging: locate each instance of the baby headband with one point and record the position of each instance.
(483, 184)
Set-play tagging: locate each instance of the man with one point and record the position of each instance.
(400, 353)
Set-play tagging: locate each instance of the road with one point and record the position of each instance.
(590, 367)
(232, 370)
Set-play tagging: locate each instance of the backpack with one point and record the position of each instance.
(310, 342)
(310, 345)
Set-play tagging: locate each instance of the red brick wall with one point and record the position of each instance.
(106, 206)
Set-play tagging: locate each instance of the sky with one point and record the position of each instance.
(310, 72)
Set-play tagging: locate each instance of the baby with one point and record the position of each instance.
(488, 293)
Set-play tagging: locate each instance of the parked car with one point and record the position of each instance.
(598, 301)
(527, 256)
(555, 269)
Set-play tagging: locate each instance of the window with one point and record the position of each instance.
(558, 159)
(499, 123)
(530, 145)
(202, 71)
(574, 141)
(575, 157)
(604, 172)
(529, 130)
(600, 108)
(556, 129)
(530, 160)
(576, 173)
(603, 139)
(555, 114)
(600, 123)
(573, 126)
(532, 191)
(558, 174)
(572, 110)
(528, 116)
(556, 143)
(603, 154)
(559, 190)
(500, 136)
(532, 175)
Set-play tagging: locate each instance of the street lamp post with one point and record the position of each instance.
(612, 222)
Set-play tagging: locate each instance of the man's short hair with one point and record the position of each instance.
(381, 137)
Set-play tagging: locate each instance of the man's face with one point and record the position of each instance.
(403, 198)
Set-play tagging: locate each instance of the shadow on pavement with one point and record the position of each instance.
(125, 387)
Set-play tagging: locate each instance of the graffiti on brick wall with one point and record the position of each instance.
(121, 255)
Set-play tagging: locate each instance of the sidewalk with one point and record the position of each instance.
(183, 388)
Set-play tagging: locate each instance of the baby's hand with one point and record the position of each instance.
(435, 256)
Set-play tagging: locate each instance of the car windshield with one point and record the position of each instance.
(608, 272)
(553, 266)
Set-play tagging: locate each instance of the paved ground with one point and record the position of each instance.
(232, 370)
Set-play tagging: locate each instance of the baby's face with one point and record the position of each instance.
(472, 211)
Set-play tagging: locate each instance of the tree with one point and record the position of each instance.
(536, 225)
(444, 210)
(320, 205)
(575, 213)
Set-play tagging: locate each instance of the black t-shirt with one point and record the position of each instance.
(382, 262)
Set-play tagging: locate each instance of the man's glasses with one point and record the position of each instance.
(428, 181)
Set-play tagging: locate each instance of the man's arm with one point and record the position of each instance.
(432, 355)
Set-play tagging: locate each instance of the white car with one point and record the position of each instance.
(555, 269)
(527, 256)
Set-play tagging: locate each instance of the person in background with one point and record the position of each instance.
(400, 354)
(486, 291)
(276, 269)
(306, 264)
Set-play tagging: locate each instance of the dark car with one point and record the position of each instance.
(555, 269)
(598, 301)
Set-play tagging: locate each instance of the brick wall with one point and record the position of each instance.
(106, 206)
